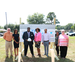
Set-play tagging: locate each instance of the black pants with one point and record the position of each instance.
(26, 49)
(63, 51)
(57, 49)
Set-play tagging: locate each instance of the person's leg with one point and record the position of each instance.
(65, 51)
(17, 51)
(6, 48)
(61, 53)
(39, 52)
(45, 48)
(10, 48)
(25, 49)
(31, 49)
(57, 49)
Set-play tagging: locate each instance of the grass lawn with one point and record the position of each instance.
(70, 54)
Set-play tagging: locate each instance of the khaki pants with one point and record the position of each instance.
(8, 45)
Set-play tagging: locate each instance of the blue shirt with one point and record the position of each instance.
(28, 34)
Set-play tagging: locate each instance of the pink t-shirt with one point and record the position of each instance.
(37, 36)
(63, 40)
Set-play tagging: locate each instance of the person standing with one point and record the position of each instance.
(63, 42)
(16, 41)
(46, 41)
(8, 43)
(37, 40)
(28, 38)
(56, 43)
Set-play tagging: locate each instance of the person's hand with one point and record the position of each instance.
(49, 42)
(67, 45)
(26, 40)
(35, 43)
(17, 42)
(58, 45)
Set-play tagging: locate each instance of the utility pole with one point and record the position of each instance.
(6, 19)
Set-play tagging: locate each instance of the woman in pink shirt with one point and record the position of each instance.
(37, 40)
(63, 43)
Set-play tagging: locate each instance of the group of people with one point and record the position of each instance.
(37, 38)
(28, 37)
(9, 36)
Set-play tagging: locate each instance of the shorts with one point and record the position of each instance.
(37, 45)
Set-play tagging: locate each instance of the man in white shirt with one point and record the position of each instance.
(46, 41)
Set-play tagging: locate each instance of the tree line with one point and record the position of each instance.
(38, 18)
(67, 27)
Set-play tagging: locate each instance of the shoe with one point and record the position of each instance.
(33, 56)
(47, 55)
(24, 56)
(39, 55)
(11, 56)
(44, 54)
(57, 54)
(6, 56)
(63, 58)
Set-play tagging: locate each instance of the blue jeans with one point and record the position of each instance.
(46, 47)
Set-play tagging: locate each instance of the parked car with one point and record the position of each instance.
(71, 33)
(2, 31)
(1, 34)
(67, 33)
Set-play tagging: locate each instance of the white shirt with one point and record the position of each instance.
(46, 37)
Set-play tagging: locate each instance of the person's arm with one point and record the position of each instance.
(24, 38)
(42, 38)
(18, 37)
(4, 36)
(49, 38)
(14, 39)
(33, 36)
(58, 42)
(67, 41)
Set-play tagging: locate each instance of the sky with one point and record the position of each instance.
(13, 17)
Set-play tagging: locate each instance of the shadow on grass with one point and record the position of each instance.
(34, 59)
(64, 60)
(41, 59)
(9, 59)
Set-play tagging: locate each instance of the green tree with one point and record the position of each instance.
(50, 17)
(1, 27)
(73, 27)
(36, 18)
(16, 27)
(68, 26)
(11, 26)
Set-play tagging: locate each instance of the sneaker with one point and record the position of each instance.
(6, 56)
(24, 56)
(44, 54)
(47, 55)
(33, 56)
(39, 55)
(63, 58)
